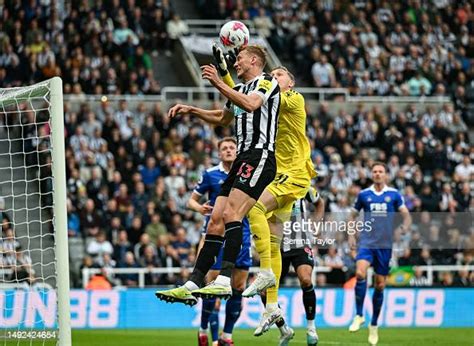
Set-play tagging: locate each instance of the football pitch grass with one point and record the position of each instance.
(187, 337)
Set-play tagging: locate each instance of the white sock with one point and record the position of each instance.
(202, 331)
(272, 306)
(310, 324)
(223, 280)
(191, 286)
(226, 336)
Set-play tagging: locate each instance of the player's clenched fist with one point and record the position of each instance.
(178, 109)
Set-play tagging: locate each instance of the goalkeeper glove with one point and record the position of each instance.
(220, 60)
(231, 56)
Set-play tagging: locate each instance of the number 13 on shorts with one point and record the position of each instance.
(245, 170)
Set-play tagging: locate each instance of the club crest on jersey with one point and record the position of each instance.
(387, 199)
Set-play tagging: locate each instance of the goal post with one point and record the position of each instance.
(34, 256)
(59, 210)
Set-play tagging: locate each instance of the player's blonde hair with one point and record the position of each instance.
(291, 75)
(257, 51)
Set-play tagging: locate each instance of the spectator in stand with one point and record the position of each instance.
(122, 247)
(99, 281)
(99, 246)
(90, 220)
(176, 28)
(149, 260)
(465, 170)
(182, 246)
(130, 280)
(150, 172)
(140, 247)
(333, 260)
(155, 228)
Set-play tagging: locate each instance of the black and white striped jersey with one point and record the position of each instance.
(295, 233)
(257, 129)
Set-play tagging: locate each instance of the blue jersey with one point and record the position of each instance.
(210, 183)
(380, 209)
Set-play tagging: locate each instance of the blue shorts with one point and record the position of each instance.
(244, 259)
(378, 258)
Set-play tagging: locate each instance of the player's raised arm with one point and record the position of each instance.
(215, 117)
(248, 103)
(222, 64)
(249, 65)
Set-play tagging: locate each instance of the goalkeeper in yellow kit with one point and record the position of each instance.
(292, 182)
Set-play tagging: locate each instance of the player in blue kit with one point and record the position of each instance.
(210, 184)
(380, 204)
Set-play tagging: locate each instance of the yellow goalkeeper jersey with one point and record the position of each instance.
(293, 152)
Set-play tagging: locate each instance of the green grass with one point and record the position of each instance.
(185, 337)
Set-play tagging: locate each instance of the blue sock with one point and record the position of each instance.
(207, 309)
(377, 300)
(214, 322)
(232, 311)
(360, 289)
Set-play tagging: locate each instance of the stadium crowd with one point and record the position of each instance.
(100, 48)
(130, 171)
(406, 48)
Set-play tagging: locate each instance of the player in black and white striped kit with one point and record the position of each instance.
(296, 250)
(254, 105)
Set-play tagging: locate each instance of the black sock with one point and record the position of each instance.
(207, 257)
(233, 244)
(280, 322)
(309, 302)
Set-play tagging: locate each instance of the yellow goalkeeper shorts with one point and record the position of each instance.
(287, 190)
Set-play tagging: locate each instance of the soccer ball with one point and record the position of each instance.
(234, 34)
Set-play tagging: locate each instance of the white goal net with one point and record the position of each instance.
(34, 278)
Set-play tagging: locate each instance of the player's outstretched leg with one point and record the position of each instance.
(361, 288)
(238, 205)
(177, 295)
(286, 332)
(206, 258)
(309, 301)
(377, 301)
(232, 312)
(261, 235)
(304, 269)
(272, 310)
(207, 312)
